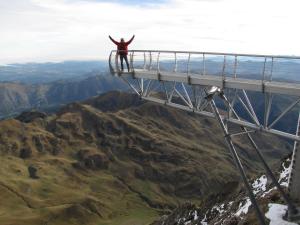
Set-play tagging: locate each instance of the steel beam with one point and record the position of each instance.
(204, 80)
(238, 163)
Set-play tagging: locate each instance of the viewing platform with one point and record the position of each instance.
(253, 92)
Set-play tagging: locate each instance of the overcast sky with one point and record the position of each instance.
(56, 30)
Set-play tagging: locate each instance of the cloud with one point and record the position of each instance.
(54, 30)
(129, 2)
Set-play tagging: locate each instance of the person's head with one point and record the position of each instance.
(122, 39)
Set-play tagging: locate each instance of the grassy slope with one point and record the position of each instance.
(157, 157)
(63, 198)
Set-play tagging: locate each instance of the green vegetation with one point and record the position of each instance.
(113, 164)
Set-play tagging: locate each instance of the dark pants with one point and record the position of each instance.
(122, 57)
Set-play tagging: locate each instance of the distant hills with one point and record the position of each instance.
(36, 73)
(116, 160)
(110, 159)
(47, 86)
(17, 97)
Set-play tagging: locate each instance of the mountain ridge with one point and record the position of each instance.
(150, 156)
(17, 97)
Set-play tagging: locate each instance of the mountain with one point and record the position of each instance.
(17, 97)
(45, 86)
(116, 160)
(37, 73)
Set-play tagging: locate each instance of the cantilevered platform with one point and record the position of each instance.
(274, 87)
(175, 79)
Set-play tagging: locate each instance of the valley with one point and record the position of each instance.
(116, 160)
(17, 97)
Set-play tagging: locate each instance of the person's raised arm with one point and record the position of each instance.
(128, 42)
(115, 42)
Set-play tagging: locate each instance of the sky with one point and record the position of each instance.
(58, 30)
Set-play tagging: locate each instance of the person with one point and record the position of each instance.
(123, 50)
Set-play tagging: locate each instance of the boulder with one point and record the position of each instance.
(27, 117)
(90, 159)
(38, 143)
(96, 161)
(25, 153)
(32, 172)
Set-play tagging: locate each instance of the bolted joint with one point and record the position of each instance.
(263, 87)
(133, 74)
(158, 76)
(189, 80)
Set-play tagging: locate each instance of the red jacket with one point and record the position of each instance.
(122, 46)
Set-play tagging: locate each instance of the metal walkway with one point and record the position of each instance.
(224, 86)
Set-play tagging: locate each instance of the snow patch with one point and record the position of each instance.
(283, 178)
(195, 215)
(276, 213)
(260, 184)
(260, 189)
(267, 192)
(219, 209)
(243, 208)
(188, 221)
(204, 220)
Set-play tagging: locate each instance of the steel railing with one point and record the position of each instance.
(230, 64)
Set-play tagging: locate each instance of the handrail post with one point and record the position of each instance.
(264, 70)
(117, 61)
(223, 72)
(158, 69)
(131, 61)
(188, 64)
(150, 63)
(203, 59)
(271, 73)
(144, 66)
(235, 65)
(110, 65)
(224, 66)
(175, 66)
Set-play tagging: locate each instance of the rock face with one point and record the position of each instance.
(32, 172)
(237, 209)
(27, 117)
(38, 143)
(25, 153)
(127, 160)
(184, 214)
(91, 160)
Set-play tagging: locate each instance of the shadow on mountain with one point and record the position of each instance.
(114, 159)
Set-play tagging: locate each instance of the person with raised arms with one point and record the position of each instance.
(123, 50)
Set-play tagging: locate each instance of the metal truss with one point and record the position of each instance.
(228, 105)
(178, 84)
